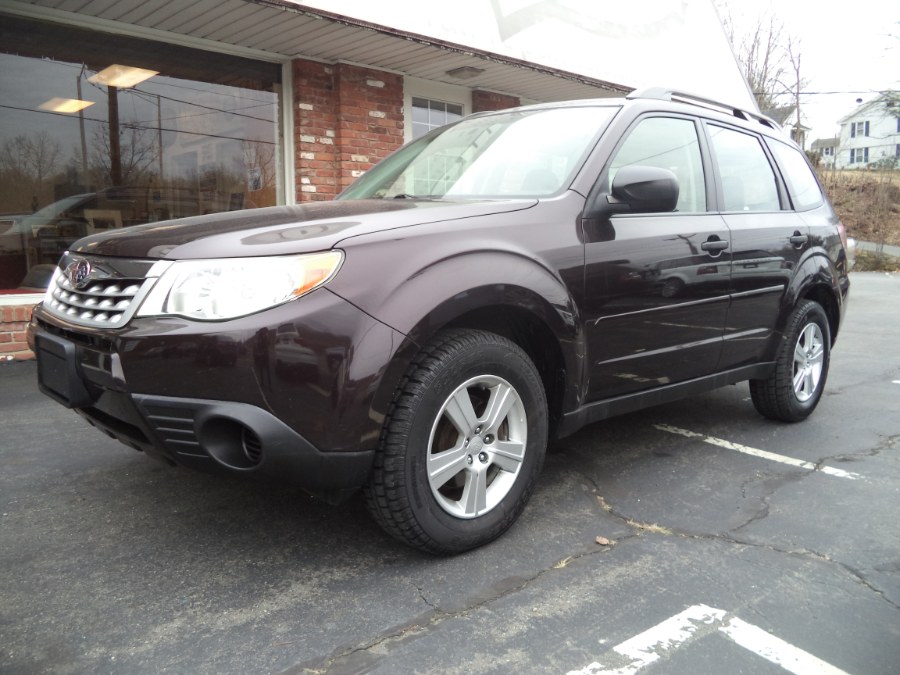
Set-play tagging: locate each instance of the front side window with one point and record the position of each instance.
(527, 153)
(801, 181)
(667, 143)
(103, 132)
(748, 180)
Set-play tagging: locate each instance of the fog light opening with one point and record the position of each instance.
(231, 443)
(252, 446)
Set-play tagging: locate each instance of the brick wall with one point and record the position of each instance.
(13, 320)
(483, 101)
(346, 118)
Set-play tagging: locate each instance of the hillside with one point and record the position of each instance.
(868, 204)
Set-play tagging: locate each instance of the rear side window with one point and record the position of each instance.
(748, 180)
(802, 183)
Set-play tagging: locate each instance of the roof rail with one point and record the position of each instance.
(663, 94)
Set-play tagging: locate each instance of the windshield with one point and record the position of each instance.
(525, 153)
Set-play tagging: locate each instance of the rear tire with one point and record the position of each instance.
(462, 446)
(794, 388)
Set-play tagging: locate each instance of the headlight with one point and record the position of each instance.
(212, 290)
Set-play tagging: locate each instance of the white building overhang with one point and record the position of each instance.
(277, 30)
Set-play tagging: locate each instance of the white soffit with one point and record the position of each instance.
(278, 29)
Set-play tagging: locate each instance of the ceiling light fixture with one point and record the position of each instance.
(65, 105)
(465, 72)
(123, 77)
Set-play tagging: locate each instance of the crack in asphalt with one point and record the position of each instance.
(424, 623)
(887, 443)
(728, 537)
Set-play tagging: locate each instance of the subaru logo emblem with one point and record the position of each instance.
(79, 273)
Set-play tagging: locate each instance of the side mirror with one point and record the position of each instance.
(644, 189)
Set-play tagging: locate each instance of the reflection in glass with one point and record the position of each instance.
(192, 133)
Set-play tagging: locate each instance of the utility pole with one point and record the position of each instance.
(84, 164)
(799, 138)
(115, 151)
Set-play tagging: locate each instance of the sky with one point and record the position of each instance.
(849, 48)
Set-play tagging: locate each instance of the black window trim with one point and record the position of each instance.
(601, 186)
(783, 197)
(794, 206)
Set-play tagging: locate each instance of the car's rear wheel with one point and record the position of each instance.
(794, 388)
(463, 444)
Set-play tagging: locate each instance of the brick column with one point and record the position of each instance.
(370, 119)
(315, 130)
(483, 101)
(346, 119)
(13, 320)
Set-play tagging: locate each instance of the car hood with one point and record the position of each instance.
(281, 230)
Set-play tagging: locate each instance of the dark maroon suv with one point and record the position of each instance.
(498, 282)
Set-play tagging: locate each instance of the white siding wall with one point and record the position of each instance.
(881, 141)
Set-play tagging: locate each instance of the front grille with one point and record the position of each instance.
(103, 302)
(107, 298)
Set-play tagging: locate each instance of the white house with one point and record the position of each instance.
(826, 149)
(870, 135)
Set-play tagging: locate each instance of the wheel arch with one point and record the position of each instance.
(817, 279)
(513, 297)
(536, 339)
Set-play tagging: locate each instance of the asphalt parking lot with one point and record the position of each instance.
(728, 544)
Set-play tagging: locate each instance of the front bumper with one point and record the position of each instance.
(286, 393)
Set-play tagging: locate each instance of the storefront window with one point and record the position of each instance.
(101, 132)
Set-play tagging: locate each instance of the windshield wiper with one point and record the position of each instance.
(421, 198)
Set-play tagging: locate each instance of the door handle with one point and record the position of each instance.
(798, 239)
(714, 245)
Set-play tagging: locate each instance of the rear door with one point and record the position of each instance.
(768, 240)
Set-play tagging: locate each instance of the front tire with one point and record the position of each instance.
(793, 390)
(462, 445)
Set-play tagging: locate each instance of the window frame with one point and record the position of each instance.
(785, 175)
(431, 102)
(432, 91)
(602, 187)
(781, 189)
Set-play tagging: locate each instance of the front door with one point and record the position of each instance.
(656, 285)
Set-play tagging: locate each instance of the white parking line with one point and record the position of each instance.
(765, 454)
(776, 650)
(696, 622)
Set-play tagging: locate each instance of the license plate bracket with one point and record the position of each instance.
(58, 375)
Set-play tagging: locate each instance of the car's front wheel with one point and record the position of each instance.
(794, 388)
(463, 444)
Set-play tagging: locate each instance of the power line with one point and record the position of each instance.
(149, 128)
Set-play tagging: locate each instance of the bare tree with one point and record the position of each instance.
(767, 55)
(35, 156)
(137, 154)
(26, 164)
(258, 159)
(795, 85)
